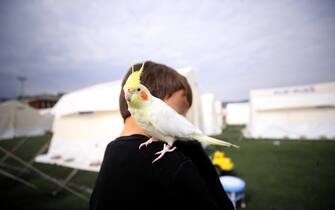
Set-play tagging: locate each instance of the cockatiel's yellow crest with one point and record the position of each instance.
(134, 78)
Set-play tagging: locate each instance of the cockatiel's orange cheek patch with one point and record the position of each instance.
(144, 95)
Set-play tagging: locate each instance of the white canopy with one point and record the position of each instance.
(237, 113)
(293, 112)
(48, 118)
(85, 122)
(19, 119)
(212, 122)
(101, 97)
(294, 97)
(194, 114)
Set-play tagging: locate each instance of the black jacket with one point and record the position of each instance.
(183, 179)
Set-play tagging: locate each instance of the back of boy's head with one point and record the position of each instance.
(161, 80)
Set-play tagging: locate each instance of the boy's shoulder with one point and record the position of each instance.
(127, 149)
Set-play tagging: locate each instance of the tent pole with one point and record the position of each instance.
(18, 179)
(7, 166)
(78, 187)
(23, 170)
(44, 175)
(67, 179)
(42, 149)
(15, 147)
(82, 188)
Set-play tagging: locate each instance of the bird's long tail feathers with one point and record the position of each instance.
(210, 140)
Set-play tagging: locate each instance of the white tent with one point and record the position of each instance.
(212, 123)
(293, 112)
(48, 118)
(19, 119)
(87, 120)
(193, 115)
(237, 113)
(219, 115)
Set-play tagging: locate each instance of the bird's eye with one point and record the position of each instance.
(138, 89)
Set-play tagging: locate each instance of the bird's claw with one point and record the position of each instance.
(146, 143)
(166, 148)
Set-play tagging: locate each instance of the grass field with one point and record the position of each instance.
(297, 175)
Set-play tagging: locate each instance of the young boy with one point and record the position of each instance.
(183, 179)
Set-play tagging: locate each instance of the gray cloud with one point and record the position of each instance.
(233, 45)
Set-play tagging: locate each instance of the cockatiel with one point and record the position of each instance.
(158, 119)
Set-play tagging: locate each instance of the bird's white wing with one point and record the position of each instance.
(169, 122)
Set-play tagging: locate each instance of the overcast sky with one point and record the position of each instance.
(234, 46)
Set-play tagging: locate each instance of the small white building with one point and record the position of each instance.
(293, 112)
(237, 113)
(194, 114)
(212, 115)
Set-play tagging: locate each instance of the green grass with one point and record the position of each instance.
(297, 174)
(17, 196)
(293, 175)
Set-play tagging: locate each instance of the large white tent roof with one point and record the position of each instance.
(294, 97)
(306, 111)
(101, 97)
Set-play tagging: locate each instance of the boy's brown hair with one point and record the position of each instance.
(161, 80)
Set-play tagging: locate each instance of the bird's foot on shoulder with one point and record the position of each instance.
(152, 139)
(166, 148)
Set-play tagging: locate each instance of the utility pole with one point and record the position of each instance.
(22, 81)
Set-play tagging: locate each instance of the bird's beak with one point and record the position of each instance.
(128, 95)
